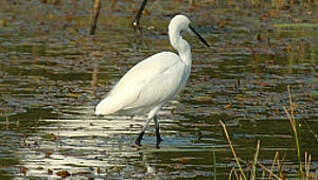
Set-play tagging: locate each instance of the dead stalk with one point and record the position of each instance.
(315, 135)
(269, 171)
(307, 165)
(232, 149)
(294, 126)
(253, 175)
(273, 164)
(236, 175)
(264, 168)
(214, 165)
(280, 166)
(94, 17)
(231, 172)
(7, 123)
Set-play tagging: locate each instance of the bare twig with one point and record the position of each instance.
(214, 165)
(280, 165)
(231, 172)
(136, 23)
(253, 175)
(235, 173)
(232, 149)
(273, 164)
(94, 17)
(7, 123)
(265, 168)
(191, 4)
(263, 174)
(315, 135)
(307, 165)
(269, 171)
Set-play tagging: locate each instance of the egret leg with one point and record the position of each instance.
(157, 130)
(139, 138)
(141, 134)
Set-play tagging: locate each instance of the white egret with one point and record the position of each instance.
(151, 83)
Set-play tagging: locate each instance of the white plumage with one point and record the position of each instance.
(147, 86)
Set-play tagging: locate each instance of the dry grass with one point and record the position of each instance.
(304, 167)
(232, 149)
(295, 127)
(254, 167)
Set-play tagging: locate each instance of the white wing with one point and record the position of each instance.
(153, 81)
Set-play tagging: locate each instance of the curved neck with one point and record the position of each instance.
(181, 46)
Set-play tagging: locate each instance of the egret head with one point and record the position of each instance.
(180, 23)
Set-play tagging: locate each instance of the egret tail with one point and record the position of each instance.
(108, 105)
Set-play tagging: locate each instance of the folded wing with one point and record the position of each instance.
(151, 82)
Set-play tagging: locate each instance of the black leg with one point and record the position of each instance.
(157, 130)
(139, 138)
(136, 24)
(158, 135)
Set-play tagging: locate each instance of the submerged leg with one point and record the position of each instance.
(141, 134)
(157, 130)
(139, 138)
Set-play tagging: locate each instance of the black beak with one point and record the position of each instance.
(199, 36)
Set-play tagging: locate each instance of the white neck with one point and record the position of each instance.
(181, 46)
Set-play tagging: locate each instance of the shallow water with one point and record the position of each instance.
(53, 75)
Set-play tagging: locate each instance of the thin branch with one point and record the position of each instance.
(94, 17)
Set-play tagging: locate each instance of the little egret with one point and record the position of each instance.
(151, 83)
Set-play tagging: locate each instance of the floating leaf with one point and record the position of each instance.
(205, 99)
(23, 170)
(228, 106)
(3, 22)
(63, 173)
(39, 168)
(48, 154)
(182, 160)
(50, 137)
(73, 95)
